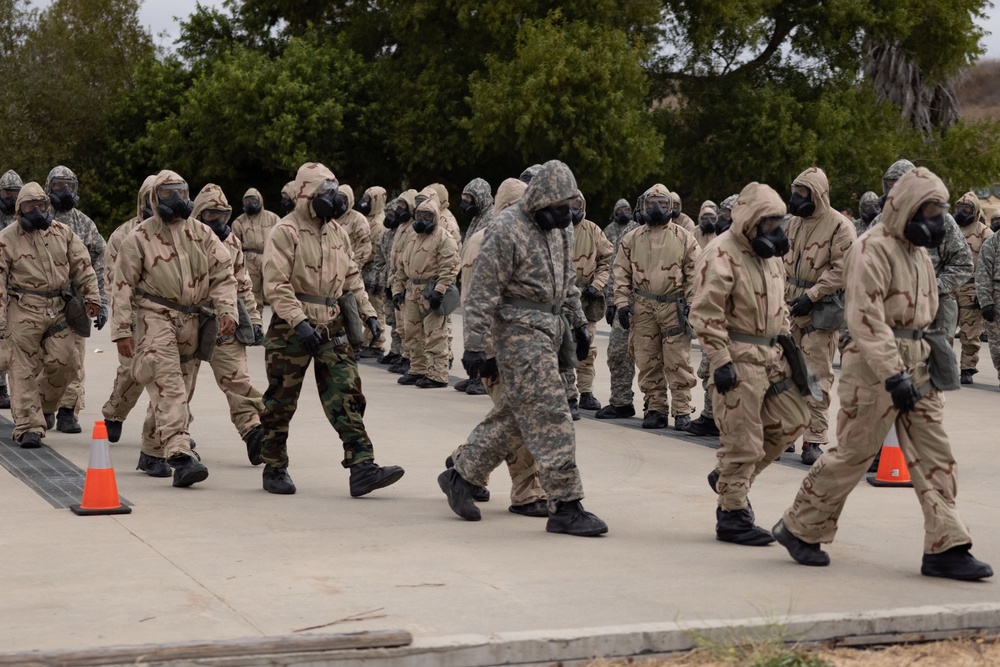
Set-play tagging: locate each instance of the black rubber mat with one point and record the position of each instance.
(50, 475)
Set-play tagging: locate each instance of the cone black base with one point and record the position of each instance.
(871, 478)
(121, 509)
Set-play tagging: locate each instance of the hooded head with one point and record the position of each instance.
(509, 193)
(676, 205)
(253, 202)
(408, 200)
(530, 173)
(552, 184)
(815, 202)
(34, 209)
(967, 209)
(426, 219)
(62, 185)
(893, 174)
(755, 201)
(868, 207)
(288, 198)
(481, 196)
(995, 220)
(708, 216)
(656, 205)
(908, 196)
(316, 188)
(622, 212)
(427, 193)
(442, 195)
(579, 209)
(376, 201)
(212, 208)
(10, 185)
(143, 202)
(170, 197)
(346, 196)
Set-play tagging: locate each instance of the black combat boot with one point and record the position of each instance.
(390, 359)
(409, 379)
(811, 452)
(539, 508)
(616, 412)
(682, 422)
(475, 388)
(370, 353)
(737, 527)
(30, 440)
(459, 494)
(574, 410)
(114, 430)
(50, 420)
(803, 552)
(255, 444)
(66, 421)
(368, 476)
(427, 383)
(276, 480)
(654, 419)
(588, 402)
(462, 385)
(479, 493)
(967, 374)
(955, 563)
(153, 466)
(187, 470)
(571, 519)
(703, 426)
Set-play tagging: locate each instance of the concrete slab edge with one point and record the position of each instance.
(576, 646)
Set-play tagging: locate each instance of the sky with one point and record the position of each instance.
(158, 16)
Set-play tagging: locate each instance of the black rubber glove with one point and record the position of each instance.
(308, 336)
(582, 336)
(435, 300)
(609, 314)
(904, 392)
(591, 293)
(258, 335)
(725, 377)
(102, 317)
(490, 370)
(374, 327)
(625, 317)
(801, 306)
(990, 313)
(398, 300)
(474, 363)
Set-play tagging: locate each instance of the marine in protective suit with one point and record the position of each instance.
(439, 194)
(476, 204)
(893, 297)
(524, 290)
(10, 186)
(406, 205)
(678, 216)
(970, 219)
(654, 283)
(62, 187)
(40, 258)
(868, 210)
(988, 290)
(126, 391)
(252, 228)
(739, 313)
(171, 274)
(820, 239)
(620, 361)
(372, 206)
(708, 216)
(592, 259)
(429, 260)
(382, 276)
(308, 276)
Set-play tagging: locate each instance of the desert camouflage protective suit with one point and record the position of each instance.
(592, 258)
(654, 267)
(890, 286)
(384, 280)
(370, 272)
(404, 234)
(815, 267)
(683, 219)
(448, 221)
(73, 396)
(9, 181)
(970, 317)
(519, 261)
(307, 267)
(525, 486)
(184, 263)
(126, 391)
(356, 226)
(44, 351)
(703, 240)
(988, 291)
(426, 259)
(482, 194)
(738, 292)
(620, 361)
(252, 231)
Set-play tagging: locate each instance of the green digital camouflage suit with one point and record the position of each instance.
(620, 360)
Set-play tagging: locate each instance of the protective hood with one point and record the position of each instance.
(658, 189)
(815, 179)
(481, 192)
(254, 192)
(530, 172)
(432, 206)
(728, 203)
(754, 202)
(410, 197)
(307, 182)
(709, 206)
(971, 199)
(348, 192)
(509, 193)
(11, 181)
(676, 199)
(60, 172)
(165, 177)
(377, 195)
(145, 189)
(212, 198)
(621, 203)
(554, 182)
(289, 190)
(442, 194)
(914, 188)
(429, 193)
(867, 199)
(583, 207)
(897, 170)
(30, 191)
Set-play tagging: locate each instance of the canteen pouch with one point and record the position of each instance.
(244, 329)
(594, 309)
(806, 382)
(828, 312)
(942, 365)
(352, 319)
(567, 350)
(76, 313)
(208, 332)
(450, 302)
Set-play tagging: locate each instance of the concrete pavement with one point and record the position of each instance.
(226, 560)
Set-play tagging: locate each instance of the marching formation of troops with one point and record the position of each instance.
(771, 288)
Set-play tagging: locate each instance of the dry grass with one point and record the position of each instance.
(954, 653)
(978, 91)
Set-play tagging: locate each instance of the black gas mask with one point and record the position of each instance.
(286, 205)
(218, 221)
(424, 222)
(770, 244)
(147, 208)
(622, 217)
(62, 192)
(675, 212)
(801, 206)
(329, 204)
(657, 215)
(172, 203)
(995, 225)
(251, 206)
(925, 231)
(577, 216)
(389, 222)
(8, 203)
(35, 216)
(707, 224)
(965, 217)
(723, 223)
(554, 217)
(469, 208)
(364, 207)
(868, 214)
(403, 215)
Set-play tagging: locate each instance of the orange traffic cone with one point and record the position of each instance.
(100, 491)
(892, 470)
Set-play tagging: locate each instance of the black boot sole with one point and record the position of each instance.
(531, 509)
(752, 540)
(957, 576)
(472, 514)
(69, 428)
(190, 478)
(381, 484)
(787, 540)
